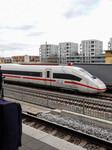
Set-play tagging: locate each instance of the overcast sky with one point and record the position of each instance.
(26, 24)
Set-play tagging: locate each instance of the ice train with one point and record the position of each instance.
(63, 77)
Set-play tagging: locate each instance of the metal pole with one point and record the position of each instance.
(22, 95)
(83, 107)
(47, 99)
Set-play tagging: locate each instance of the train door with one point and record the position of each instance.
(48, 77)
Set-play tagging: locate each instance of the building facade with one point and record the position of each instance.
(110, 44)
(80, 59)
(5, 60)
(25, 58)
(89, 48)
(48, 52)
(68, 49)
(108, 57)
(67, 52)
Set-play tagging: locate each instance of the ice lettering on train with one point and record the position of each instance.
(59, 82)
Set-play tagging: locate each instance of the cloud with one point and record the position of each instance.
(24, 27)
(1, 40)
(1, 27)
(14, 49)
(36, 33)
(88, 2)
(34, 22)
(9, 46)
(81, 8)
(75, 13)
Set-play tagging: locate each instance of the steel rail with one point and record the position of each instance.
(25, 89)
(90, 138)
(86, 106)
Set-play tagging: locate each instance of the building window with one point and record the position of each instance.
(92, 42)
(92, 50)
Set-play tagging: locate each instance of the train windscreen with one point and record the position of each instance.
(86, 72)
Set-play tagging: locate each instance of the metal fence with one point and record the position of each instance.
(87, 106)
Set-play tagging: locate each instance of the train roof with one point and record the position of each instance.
(91, 64)
(15, 66)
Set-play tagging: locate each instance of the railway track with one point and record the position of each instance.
(79, 104)
(107, 96)
(69, 134)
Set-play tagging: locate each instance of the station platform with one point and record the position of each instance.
(34, 139)
(30, 143)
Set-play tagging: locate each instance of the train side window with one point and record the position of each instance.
(66, 76)
(25, 73)
(48, 74)
(40, 74)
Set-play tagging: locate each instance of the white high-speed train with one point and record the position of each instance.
(63, 77)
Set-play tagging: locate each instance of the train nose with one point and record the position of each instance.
(102, 88)
(97, 86)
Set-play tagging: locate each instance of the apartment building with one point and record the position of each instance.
(47, 52)
(68, 52)
(110, 44)
(67, 49)
(89, 48)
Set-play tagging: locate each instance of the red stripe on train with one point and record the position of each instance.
(29, 78)
(69, 82)
(11, 76)
(84, 85)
